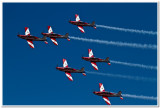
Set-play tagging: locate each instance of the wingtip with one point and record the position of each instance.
(64, 59)
(71, 79)
(100, 84)
(95, 68)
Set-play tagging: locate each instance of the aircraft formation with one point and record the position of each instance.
(68, 70)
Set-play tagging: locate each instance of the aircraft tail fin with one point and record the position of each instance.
(67, 36)
(93, 23)
(45, 38)
(107, 58)
(108, 62)
(120, 94)
(82, 70)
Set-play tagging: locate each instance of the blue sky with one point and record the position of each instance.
(30, 77)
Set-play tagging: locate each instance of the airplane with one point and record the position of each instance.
(93, 59)
(69, 70)
(31, 38)
(80, 24)
(53, 36)
(106, 94)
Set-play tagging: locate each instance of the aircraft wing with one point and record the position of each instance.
(101, 87)
(81, 29)
(90, 53)
(30, 43)
(65, 64)
(27, 32)
(69, 76)
(94, 65)
(54, 41)
(107, 100)
(77, 17)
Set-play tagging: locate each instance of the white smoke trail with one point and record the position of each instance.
(140, 97)
(123, 76)
(135, 65)
(128, 30)
(125, 44)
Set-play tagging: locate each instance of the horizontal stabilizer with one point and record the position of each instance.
(46, 42)
(108, 62)
(121, 98)
(84, 74)
(67, 36)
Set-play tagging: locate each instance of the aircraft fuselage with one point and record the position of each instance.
(80, 23)
(32, 38)
(54, 35)
(107, 94)
(94, 59)
(70, 70)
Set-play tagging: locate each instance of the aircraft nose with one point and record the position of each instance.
(58, 68)
(94, 92)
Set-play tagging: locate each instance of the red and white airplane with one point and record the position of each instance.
(106, 94)
(31, 38)
(69, 70)
(80, 24)
(53, 36)
(93, 59)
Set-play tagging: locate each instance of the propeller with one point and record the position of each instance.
(69, 20)
(93, 91)
(18, 34)
(42, 32)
